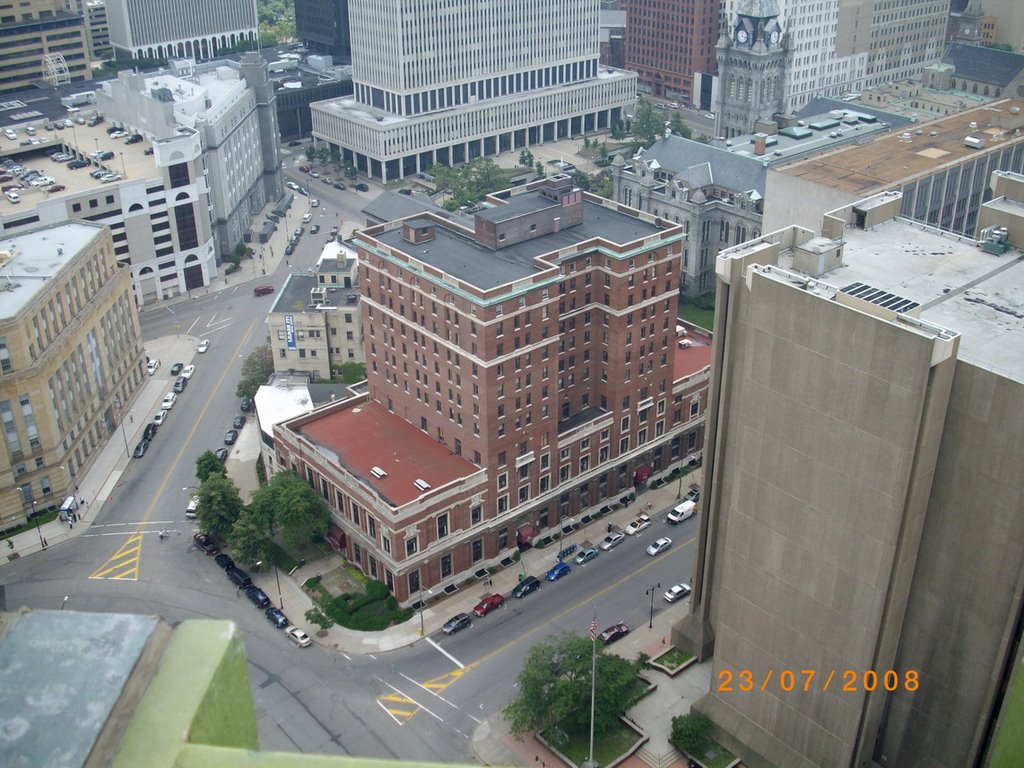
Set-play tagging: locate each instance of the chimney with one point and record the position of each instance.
(759, 143)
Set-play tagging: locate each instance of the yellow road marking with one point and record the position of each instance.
(132, 573)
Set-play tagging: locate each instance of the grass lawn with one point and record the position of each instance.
(715, 756)
(673, 658)
(42, 518)
(1008, 744)
(705, 318)
(608, 748)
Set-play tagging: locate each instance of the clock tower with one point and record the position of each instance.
(752, 65)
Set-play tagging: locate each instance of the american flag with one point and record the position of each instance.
(593, 628)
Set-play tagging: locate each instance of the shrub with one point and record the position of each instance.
(690, 733)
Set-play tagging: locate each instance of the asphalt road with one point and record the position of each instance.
(314, 700)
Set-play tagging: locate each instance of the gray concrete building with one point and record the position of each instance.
(153, 29)
(862, 491)
(469, 88)
(315, 323)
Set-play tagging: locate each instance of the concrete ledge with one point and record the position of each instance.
(671, 671)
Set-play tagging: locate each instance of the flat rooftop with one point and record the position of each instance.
(881, 164)
(367, 435)
(285, 397)
(960, 287)
(129, 160)
(38, 255)
(458, 254)
(294, 294)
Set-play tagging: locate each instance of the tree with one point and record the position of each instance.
(555, 678)
(219, 505)
(581, 180)
(539, 169)
(247, 538)
(679, 128)
(207, 464)
(602, 184)
(316, 615)
(310, 152)
(256, 369)
(690, 733)
(297, 511)
(526, 158)
(617, 131)
(604, 152)
(647, 125)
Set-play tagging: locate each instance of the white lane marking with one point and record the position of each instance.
(390, 715)
(189, 331)
(451, 658)
(349, 658)
(410, 698)
(442, 698)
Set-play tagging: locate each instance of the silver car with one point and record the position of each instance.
(613, 539)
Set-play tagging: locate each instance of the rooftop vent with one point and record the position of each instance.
(421, 485)
(378, 472)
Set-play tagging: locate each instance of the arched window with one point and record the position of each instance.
(134, 207)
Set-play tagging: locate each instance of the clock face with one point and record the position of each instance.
(741, 35)
(774, 37)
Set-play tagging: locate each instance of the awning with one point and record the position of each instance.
(642, 474)
(526, 534)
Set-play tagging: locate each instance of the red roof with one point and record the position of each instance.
(367, 436)
(687, 362)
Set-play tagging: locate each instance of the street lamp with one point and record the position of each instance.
(426, 564)
(64, 603)
(651, 592)
(42, 541)
(117, 403)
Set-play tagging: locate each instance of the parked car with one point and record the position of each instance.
(586, 556)
(303, 191)
(526, 586)
(239, 421)
(276, 617)
(224, 561)
(257, 597)
(363, 187)
(292, 185)
(613, 539)
(314, 203)
(57, 188)
(150, 431)
(339, 185)
(160, 418)
(246, 404)
(134, 139)
(179, 384)
(176, 368)
(304, 168)
(192, 512)
(297, 636)
(140, 449)
(613, 633)
(238, 577)
(206, 543)
(677, 592)
(659, 546)
(203, 346)
(263, 290)
(148, 151)
(187, 371)
(169, 400)
(456, 623)
(682, 512)
(222, 454)
(152, 365)
(488, 604)
(314, 229)
(230, 437)
(558, 571)
(314, 174)
(294, 143)
(642, 522)
(306, 218)
(693, 494)
(74, 165)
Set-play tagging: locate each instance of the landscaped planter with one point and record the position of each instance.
(671, 671)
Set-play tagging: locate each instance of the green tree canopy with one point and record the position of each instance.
(691, 733)
(248, 539)
(648, 125)
(679, 128)
(208, 464)
(298, 513)
(219, 505)
(555, 680)
(316, 615)
(526, 158)
(256, 369)
(471, 182)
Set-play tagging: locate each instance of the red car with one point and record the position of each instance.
(57, 188)
(304, 168)
(488, 604)
(613, 633)
(206, 543)
(9, 187)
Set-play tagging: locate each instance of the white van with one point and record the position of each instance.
(70, 505)
(13, 196)
(682, 512)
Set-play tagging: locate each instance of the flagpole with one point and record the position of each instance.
(589, 762)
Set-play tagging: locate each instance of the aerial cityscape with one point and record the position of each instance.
(614, 382)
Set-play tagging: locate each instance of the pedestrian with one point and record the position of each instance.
(82, 501)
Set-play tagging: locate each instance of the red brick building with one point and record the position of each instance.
(668, 41)
(522, 368)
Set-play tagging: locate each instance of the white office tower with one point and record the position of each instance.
(197, 29)
(451, 80)
(840, 46)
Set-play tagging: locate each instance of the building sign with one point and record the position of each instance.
(289, 331)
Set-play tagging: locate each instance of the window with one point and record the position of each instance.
(446, 566)
(414, 582)
(178, 175)
(442, 525)
(478, 550)
(5, 356)
(371, 527)
(411, 546)
(475, 515)
(385, 540)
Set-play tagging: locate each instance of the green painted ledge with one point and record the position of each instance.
(199, 695)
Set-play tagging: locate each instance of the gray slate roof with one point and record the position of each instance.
(391, 206)
(758, 9)
(984, 65)
(701, 164)
(821, 105)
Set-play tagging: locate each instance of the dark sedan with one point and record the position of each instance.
(457, 622)
(257, 597)
(230, 437)
(176, 368)
(140, 449)
(239, 421)
(224, 561)
(221, 454)
(526, 586)
(276, 617)
(613, 633)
